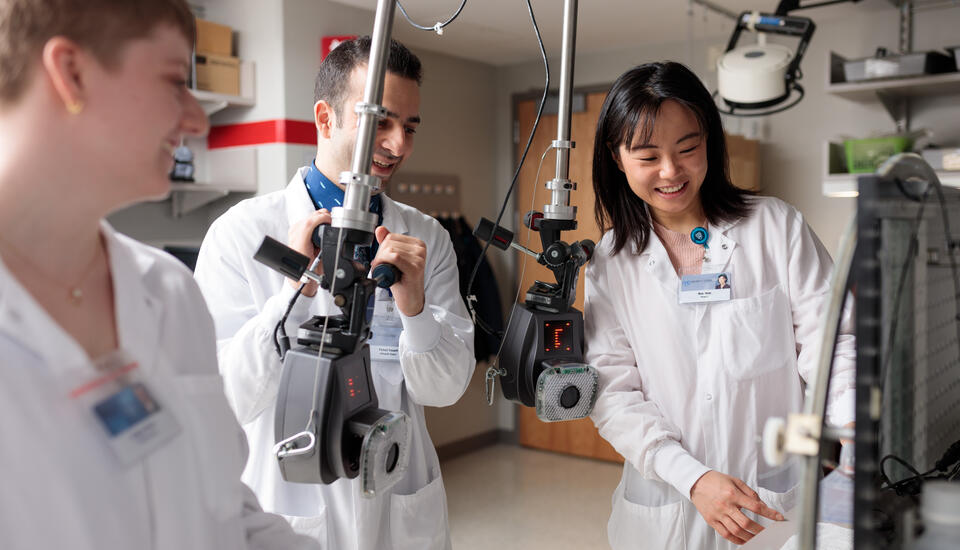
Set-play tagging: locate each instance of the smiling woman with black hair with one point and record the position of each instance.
(688, 378)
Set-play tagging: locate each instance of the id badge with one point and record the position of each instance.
(705, 287)
(385, 328)
(130, 417)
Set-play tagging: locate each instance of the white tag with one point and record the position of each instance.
(132, 421)
(385, 328)
(706, 287)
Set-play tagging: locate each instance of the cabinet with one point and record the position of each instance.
(221, 171)
(896, 96)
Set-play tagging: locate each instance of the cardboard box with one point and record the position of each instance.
(218, 73)
(744, 162)
(214, 38)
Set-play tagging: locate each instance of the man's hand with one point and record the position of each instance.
(300, 239)
(409, 255)
(719, 498)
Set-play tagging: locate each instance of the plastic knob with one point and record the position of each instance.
(773, 441)
(386, 275)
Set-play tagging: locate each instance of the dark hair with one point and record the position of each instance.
(102, 26)
(333, 77)
(631, 105)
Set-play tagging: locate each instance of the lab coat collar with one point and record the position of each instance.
(300, 205)
(135, 306)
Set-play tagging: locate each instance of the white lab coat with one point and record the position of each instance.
(62, 486)
(247, 300)
(687, 388)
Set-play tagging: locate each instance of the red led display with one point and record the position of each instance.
(557, 336)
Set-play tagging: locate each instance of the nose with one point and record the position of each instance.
(394, 139)
(194, 121)
(668, 167)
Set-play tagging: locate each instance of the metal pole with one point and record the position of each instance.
(561, 186)
(359, 183)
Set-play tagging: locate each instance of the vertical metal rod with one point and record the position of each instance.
(816, 402)
(906, 27)
(561, 197)
(357, 195)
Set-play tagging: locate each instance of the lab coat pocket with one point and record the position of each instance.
(314, 527)
(646, 514)
(781, 502)
(419, 521)
(216, 440)
(756, 333)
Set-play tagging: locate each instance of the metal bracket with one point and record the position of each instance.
(802, 435)
(563, 144)
(370, 109)
(561, 185)
(347, 178)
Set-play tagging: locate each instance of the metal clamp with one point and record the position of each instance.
(348, 178)
(378, 111)
(284, 449)
(561, 185)
(563, 144)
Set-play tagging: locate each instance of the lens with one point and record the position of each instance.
(393, 456)
(569, 397)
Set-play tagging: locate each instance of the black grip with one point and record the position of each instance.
(386, 275)
(282, 258)
(497, 236)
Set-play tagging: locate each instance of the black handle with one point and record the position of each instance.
(386, 275)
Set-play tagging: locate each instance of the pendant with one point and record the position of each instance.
(76, 295)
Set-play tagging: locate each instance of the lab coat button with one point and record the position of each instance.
(709, 397)
(723, 246)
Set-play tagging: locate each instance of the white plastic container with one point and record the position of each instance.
(941, 516)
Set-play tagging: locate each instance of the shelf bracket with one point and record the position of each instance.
(898, 107)
(184, 202)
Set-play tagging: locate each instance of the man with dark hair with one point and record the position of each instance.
(422, 350)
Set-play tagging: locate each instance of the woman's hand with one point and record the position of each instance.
(719, 498)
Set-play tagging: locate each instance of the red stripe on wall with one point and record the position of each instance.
(296, 132)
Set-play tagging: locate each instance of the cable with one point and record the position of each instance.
(493, 370)
(516, 175)
(438, 28)
(281, 341)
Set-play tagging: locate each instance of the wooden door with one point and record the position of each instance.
(578, 437)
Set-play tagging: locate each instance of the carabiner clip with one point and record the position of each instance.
(284, 449)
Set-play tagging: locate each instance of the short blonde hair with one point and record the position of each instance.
(102, 26)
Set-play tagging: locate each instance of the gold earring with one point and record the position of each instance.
(75, 107)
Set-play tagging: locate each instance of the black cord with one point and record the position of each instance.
(731, 111)
(436, 27)
(516, 175)
(281, 341)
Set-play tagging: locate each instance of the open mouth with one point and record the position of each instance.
(384, 166)
(672, 190)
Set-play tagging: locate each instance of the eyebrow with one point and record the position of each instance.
(651, 146)
(410, 120)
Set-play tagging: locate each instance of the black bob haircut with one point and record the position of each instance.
(333, 77)
(632, 105)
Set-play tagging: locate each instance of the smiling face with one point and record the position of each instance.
(667, 169)
(139, 111)
(394, 136)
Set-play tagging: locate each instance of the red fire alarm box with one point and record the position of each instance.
(328, 43)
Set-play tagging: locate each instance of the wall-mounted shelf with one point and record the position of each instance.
(213, 102)
(837, 183)
(222, 171)
(894, 93)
